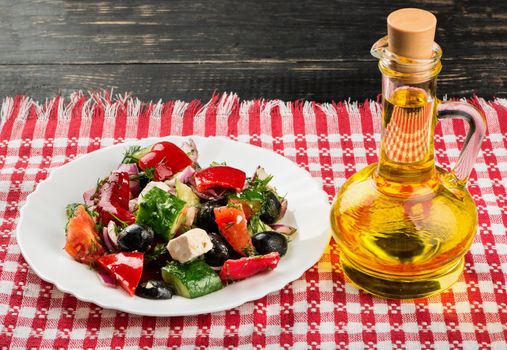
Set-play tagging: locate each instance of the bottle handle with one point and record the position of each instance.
(477, 130)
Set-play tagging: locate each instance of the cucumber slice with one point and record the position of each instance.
(178, 222)
(161, 211)
(186, 194)
(192, 279)
(141, 153)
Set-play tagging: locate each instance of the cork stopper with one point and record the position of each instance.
(411, 33)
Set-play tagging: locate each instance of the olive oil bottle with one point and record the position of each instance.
(403, 224)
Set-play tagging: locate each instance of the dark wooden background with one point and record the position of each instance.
(286, 49)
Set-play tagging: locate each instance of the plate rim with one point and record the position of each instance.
(256, 294)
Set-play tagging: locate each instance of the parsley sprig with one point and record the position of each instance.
(156, 253)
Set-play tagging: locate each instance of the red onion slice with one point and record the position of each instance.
(284, 229)
(111, 233)
(128, 168)
(106, 279)
(135, 187)
(107, 240)
(283, 209)
(210, 194)
(133, 205)
(87, 196)
(185, 175)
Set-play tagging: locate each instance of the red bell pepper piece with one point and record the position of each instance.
(113, 199)
(232, 224)
(166, 158)
(175, 158)
(151, 160)
(235, 270)
(125, 267)
(82, 240)
(221, 176)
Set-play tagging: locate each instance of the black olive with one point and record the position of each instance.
(154, 290)
(218, 202)
(143, 180)
(220, 251)
(206, 219)
(270, 209)
(135, 237)
(269, 242)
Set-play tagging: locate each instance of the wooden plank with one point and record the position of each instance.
(275, 49)
(287, 81)
(70, 32)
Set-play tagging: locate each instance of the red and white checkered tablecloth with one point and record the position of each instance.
(320, 309)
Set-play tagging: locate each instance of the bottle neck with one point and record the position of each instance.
(408, 122)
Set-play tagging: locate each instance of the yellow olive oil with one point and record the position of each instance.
(401, 229)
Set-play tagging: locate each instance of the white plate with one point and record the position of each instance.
(41, 236)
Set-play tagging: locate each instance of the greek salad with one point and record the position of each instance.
(160, 224)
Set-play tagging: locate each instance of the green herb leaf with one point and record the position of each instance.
(255, 190)
(256, 225)
(122, 223)
(229, 224)
(149, 173)
(261, 185)
(70, 210)
(213, 163)
(129, 155)
(133, 154)
(156, 253)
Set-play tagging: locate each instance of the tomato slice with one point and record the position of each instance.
(232, 225)
(221, 176)
(125, 267)
(249, 208)
(83, 242)
(235, 270)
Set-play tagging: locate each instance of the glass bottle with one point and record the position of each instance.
(404, 224)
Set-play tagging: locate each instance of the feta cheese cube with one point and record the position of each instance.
(189, 245)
